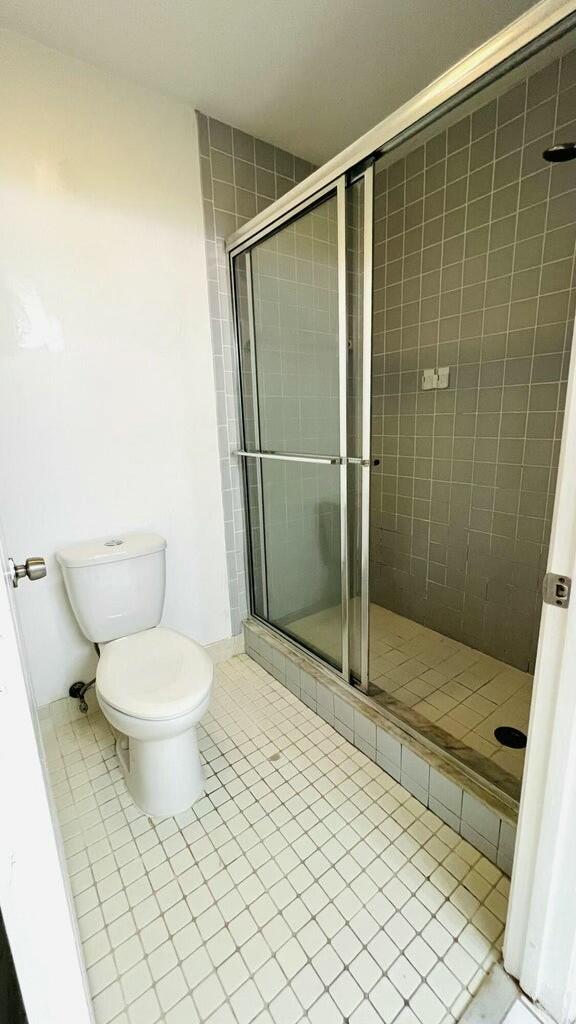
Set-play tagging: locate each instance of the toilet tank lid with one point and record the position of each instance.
(113, 548)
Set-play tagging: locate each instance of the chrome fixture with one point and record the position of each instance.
(33, 568)
(331, 460)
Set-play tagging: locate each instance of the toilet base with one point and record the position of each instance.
(164, 777)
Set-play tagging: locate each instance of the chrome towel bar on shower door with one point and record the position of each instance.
(331, 460)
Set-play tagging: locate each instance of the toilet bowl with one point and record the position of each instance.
(152, 684)
(153, 688)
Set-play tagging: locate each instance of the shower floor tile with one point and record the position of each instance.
(464, 692)
(306, 885)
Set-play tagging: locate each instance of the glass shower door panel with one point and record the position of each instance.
(295, 533)
(290, 318)
(296, 337)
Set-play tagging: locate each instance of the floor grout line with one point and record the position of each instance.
(305, 885)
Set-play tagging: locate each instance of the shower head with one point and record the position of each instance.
(560, 153)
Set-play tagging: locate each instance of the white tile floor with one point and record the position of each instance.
(465, 692)
(305, 886)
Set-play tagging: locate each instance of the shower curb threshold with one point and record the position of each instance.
(483, 817)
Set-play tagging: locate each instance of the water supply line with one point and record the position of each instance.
(79, 689)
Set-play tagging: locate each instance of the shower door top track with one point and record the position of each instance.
(533, 31)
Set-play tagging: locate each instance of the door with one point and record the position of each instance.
(299, 311)
(540, 939)
(34, 897)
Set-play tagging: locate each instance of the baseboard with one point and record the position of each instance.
(227, 648)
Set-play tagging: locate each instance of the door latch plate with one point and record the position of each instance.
(556, 589)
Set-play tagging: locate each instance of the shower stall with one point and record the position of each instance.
(404, 333)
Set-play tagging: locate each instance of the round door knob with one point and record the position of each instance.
(33, 569)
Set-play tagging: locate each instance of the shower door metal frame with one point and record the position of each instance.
(339, 189)
(366, 469)
(343, 422)
(254, 374)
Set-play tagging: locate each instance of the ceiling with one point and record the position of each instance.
(307, 75)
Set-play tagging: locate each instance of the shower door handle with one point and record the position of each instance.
(325, 460)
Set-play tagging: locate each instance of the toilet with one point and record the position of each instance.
(152, 683)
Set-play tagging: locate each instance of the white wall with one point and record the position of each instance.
(107, 409)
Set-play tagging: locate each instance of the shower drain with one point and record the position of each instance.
(508, 736)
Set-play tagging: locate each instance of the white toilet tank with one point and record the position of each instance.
(115, 584)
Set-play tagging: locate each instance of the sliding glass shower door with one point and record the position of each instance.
(297, 321)
(401, 460)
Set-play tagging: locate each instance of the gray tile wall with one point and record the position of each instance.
(474, 269)
(240, 177)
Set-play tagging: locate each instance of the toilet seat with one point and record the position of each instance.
(156, 674)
